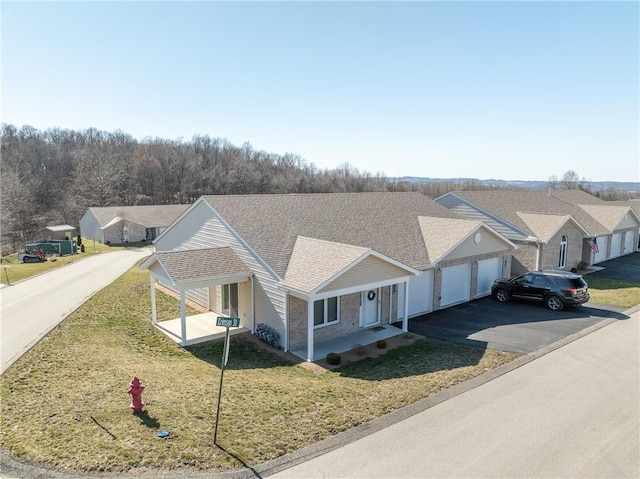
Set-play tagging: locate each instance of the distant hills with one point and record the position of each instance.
(626, 186)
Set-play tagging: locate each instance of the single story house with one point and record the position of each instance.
(58, 232)
(124, 224)
(554, 229)
(635, 206)
(317, 267)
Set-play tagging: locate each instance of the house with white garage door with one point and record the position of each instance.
(554, 229)
(314, 268)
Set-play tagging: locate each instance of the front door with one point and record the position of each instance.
(370, 308)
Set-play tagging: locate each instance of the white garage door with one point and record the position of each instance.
(420, 295)
(488, 271)
(601, 255)
(616, 245)
(629, 240)
(456, 285)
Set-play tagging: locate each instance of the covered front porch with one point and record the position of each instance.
(352, 341)
(200, 328)
(202, 269)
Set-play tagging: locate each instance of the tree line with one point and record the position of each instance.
(53, 176)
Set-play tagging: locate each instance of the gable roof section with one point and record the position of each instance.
(443, 235)
(545, 226)
(507, 203)
(271, 224)
(315, 263)
(194, 265)
(471, 211)
(610, 216)
(58, 228)
(150, 216)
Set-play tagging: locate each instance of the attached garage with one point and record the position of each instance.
(616, 245)
(420, 294)
(488, 271)
(456, 284)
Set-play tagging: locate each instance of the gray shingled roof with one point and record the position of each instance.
(315, 261)
(507, 203)
(384, 222)
(200, 264)
(438, 244)
(151, 216)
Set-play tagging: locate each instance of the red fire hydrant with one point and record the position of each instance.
(135, 389)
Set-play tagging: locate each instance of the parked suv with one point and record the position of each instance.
(556, 289)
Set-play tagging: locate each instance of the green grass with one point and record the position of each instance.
(18, 271)
(610, 291)
(66, 403)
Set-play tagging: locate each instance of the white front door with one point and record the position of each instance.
(370, 307)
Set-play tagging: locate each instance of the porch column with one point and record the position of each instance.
(183, 319)
(253, 306)
(310, 329)
(405, 317)
(154, 316)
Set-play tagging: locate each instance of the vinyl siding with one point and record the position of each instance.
(201, 228)
(90, 227)
(488, 244)
(368, 270)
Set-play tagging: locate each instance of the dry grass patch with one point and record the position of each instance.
(614, 292)
(66, 403)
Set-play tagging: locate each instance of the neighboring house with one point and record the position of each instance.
(58, 232)
(124, 224)
(554, 229)
(316, 267)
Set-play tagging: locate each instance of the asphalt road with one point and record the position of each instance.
(33, 307)
(570, 413)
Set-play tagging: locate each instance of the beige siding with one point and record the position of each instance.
(488, 244)
(627, 222)
(90, 227)
(201, 228)
(369, 270)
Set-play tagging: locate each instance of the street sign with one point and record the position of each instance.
(227, 322)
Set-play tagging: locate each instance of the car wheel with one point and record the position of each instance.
(554, 303)
(502, 295)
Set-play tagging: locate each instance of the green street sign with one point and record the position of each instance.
(228, 322)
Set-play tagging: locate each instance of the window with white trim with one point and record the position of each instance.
(326, 311)
(230, 299)
(562, 261)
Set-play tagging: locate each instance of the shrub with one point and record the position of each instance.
(334, 358)
(82, 248)
(381, 343)
(79, 240)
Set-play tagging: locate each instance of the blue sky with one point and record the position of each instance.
(508, 90)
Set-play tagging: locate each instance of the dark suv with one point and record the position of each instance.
(556, 288)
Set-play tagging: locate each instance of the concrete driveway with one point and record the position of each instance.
(33, 307)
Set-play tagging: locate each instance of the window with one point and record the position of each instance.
(562, 262)
(326, 311)
(230, 299)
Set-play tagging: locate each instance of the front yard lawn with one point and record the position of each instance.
(611, 291)
(66, 403)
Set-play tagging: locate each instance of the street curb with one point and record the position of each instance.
(23, 470)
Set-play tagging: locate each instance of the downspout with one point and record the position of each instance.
(390, 303)
(286, 321)
(538, 256)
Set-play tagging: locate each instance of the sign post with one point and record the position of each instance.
(227, 323)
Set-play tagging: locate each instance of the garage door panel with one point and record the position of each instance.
(488, 271)
(616, 245)
(421, 294)
(601, 255)
(456, 284)
(629, 240)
